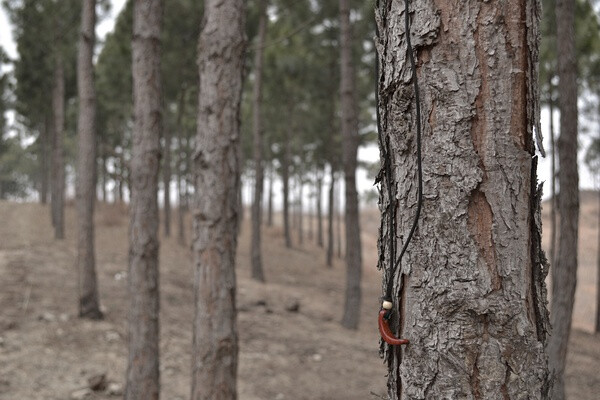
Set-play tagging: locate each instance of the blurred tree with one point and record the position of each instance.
(469, 294)
(255, 244)
(349, 126)
(564, 271)
(89, 305)
(143, 364)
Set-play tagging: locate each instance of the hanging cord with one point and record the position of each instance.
(390, 283)
(384, 314)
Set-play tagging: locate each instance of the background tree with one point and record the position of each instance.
(142, 368)
(217, 180)
(467, 296)
(349, 125)
(564, 272)
(255, 246)
(89, 306)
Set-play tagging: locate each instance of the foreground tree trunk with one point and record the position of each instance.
(58, 158)
(470, 293)
(564, 271)
(216, 209)
(349, 125)
(89, 306)
(255, 243)
(142, 369)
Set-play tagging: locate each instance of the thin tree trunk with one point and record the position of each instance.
(300, 211)
(181, 156)
(143, 366)
(331, 212)
(319, 196)
(469, 295)
(44, 164)
(337, 198)
(349, 125)
(285, 176)
(58, 162)
(104, 181)
(217, 176)
(552, 178)
(309, 215)
(564, 272)
(270, 205)
(597, 327)
(167, 182)
(89, 306)
(255, 245)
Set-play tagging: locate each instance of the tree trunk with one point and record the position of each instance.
(143, 366)
(167, 182)
(104, 173)
(58, 162)
(285, 177)
(270, 205)
(337, 197)
(255, 244)
(349, 125)
(89, 306)
(564, 271)
(44, 152)
(331, 210)
(469, 295)
(181, 156)
(300, 210)
(552, 177)
(216, 209)
(597, 327)
(319, 196)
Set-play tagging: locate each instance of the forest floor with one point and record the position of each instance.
(47, 353)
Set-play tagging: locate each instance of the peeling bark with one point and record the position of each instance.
(470, 294)
(215, 205)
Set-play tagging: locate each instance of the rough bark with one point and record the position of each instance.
(349, 126)
(89, 306)
(143, 366)
(331, 212)
(470, 293)
(167, 182)
(285, 177)
(255, 243)
(104, 180)
(319, 196)
(564, 271)
(216, 209)
(58, 161)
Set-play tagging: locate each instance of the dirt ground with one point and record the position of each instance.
(47, 353)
